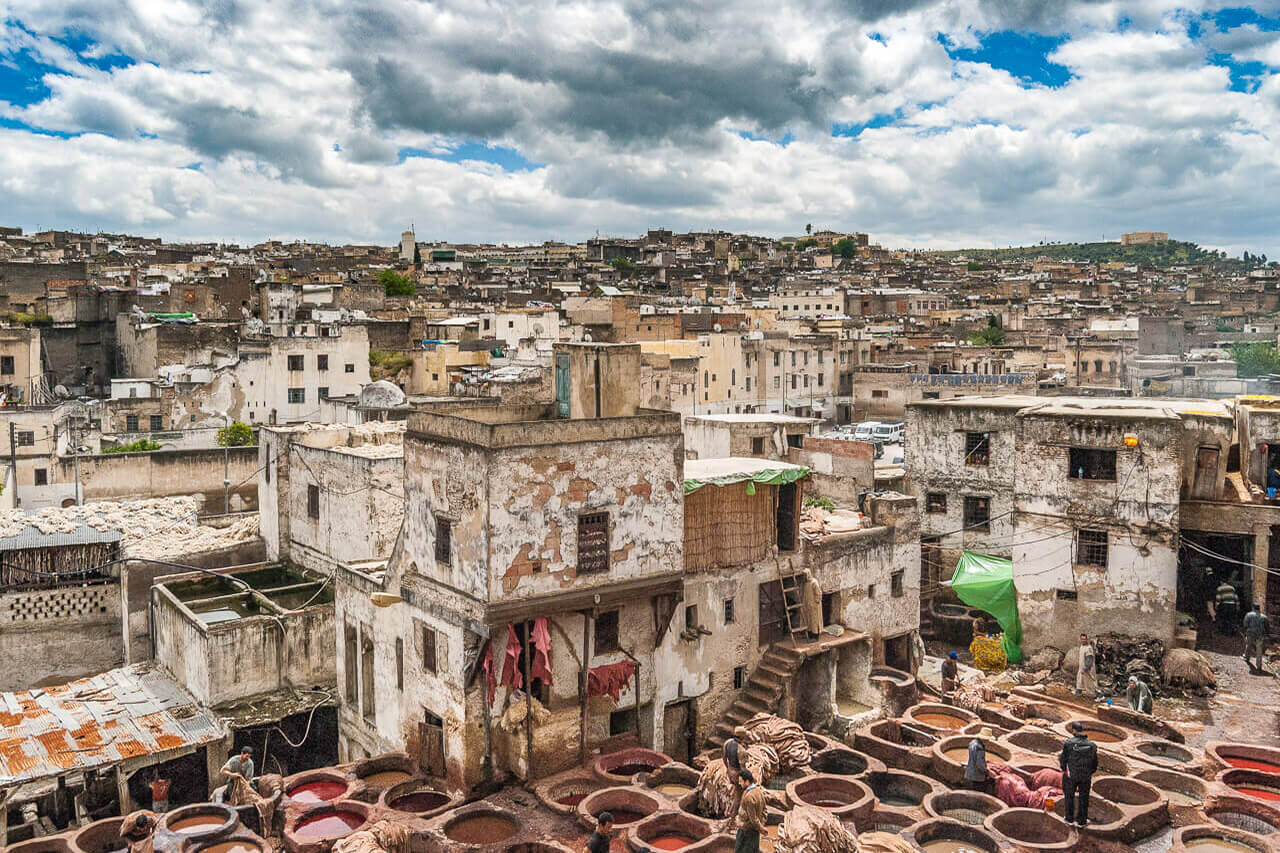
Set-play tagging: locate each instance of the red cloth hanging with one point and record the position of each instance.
(490, 678)
(540, 667)
(511, 675)
(611, 679)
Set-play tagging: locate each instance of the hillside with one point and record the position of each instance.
(1153, 254)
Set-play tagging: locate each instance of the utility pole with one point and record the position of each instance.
(226, 466)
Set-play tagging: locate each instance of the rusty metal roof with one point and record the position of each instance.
(111, 718)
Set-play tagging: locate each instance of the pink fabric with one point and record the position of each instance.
(610, 680)
(540, 667)
(1040, 797)
(490, 679)
(1012, 791)
(511, 675)
(1047, 778)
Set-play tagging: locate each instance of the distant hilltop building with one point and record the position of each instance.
(1137, 238)
(408, 243)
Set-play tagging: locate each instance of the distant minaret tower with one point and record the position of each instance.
(407, 244)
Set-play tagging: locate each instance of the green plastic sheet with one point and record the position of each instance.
(179, 315)
(986, 582)
(769, 477)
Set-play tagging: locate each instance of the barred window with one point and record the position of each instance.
(593, 543)
(1091, 548)
(977, 513)
(935, 502)
(977, 448)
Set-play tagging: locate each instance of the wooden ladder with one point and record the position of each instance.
(792, 604)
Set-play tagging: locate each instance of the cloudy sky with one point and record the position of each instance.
(932, 123)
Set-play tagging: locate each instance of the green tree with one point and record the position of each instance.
(1255, 359)
(237, 434)
(417, 256)
(142, 445)
(395, 284)
(845, 248)
(808, 229)
(991, 336)
(623, 266)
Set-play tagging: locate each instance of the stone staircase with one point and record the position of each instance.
(761, 692)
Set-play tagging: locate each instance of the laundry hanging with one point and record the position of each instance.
(540, 667)
(611, 679)
(511, 675)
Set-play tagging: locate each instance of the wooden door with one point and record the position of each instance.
(1205, 485)
(677, 730)
(431, 749)
(772, 615)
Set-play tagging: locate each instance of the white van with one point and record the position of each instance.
(889, 432)
(865, 431)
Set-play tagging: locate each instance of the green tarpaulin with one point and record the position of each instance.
(987, 583)
(767, 477)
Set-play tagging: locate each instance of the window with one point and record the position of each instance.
(313, 501)
(757, 445)
(130, 423)
(879, 393)
(297, 395)
(157, 423)
(777, 359)
(733, 376)
(819, 380)
(897, 583)
(748, 383)
(871, 590)
(322, 362)
(349, 368)
(729, 615)
(295, 362)
(777, 382)
(977, 513)
(1091, 548)
(593, 543)
(399, 663)
(606, 632)
(428, 650)
(793, 358)
(739, 677)
(1090, 463)
(367, 675)
(935, 502)
(42, 476)
(793, 382)
(977, 448)
(351, 674)
(819, 356)
(444, 541)
(622, 722)
(1097, 365)
(323, 392)
(1188, 370)
(1066, 594)
(691, 617)
(6, 365)
(806, 358)
(706, 378)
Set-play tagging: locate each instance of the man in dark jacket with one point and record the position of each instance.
(1078, 761)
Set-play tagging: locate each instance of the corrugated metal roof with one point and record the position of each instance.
(97, 722)
(33, 537)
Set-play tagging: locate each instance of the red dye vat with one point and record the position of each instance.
(829, 804)
(621, 816)
(671, 842)
(1260, 793)
(419, 801)
(233, 847)
(630, 769)
(571, 799)
(330, 825)
(1252, 764)
(318, 792)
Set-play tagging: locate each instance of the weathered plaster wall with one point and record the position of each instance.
(361, 506)
(164, 473)
(58, 635)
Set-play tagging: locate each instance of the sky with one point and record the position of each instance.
(927, 123)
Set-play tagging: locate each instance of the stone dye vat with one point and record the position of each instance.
(201, 820)
(899, 789)
(385, 771)
(1144, 808)
(672, 780)
(840, 761)
(1182, 790)
(1032, 829)
(415, 798)
(1035, 741)
(316, 786)
(892, 821)
(101, 836)
(628, 805)
(969, 807)
(479, 825)
(941, 720)
(1209, 838)
(668, 831)
(563, 792)
(1253, 783)
(844, 797)
(1227, 755)
(1245, 813)
(897, 745)
(617, 768)
(951, 754)
(939, 835)
(1166, 754)
(1103, 734)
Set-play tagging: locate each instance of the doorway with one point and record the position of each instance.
(771, 617)
(1206, 560)
(786, 517)
(897, 652)
(431, 744)
(679, 730)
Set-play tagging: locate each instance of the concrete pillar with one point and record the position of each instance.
(1261, 557)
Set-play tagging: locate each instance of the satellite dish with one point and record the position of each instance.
(586, 338)
(715, 327)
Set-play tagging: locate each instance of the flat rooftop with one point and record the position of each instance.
(756, 419)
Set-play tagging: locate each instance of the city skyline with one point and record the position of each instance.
(931, 124)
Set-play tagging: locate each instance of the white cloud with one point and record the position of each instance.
(295, 112)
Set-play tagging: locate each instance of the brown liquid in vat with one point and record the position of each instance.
(386, 778)
(481, 829)
(1218, 845)
(198, 823)
(940, 721)
(232, 847)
